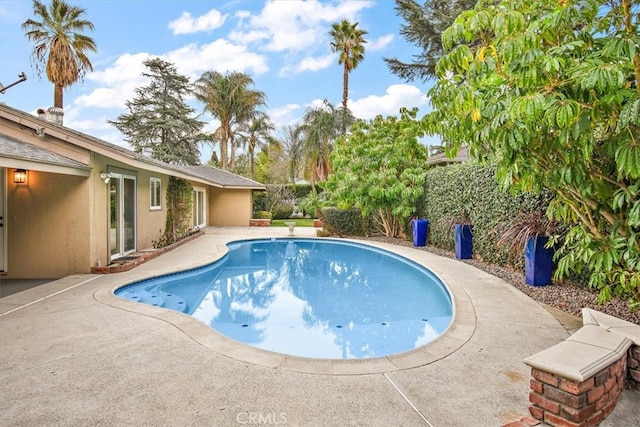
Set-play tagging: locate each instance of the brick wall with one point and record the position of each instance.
(633, 367)
(561, 402)
(259, 223)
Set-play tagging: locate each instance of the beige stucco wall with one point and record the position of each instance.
(58, 224)
(229, 207)
(47, 226)
(149, 223)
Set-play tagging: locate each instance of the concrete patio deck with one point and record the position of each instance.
(72, 353)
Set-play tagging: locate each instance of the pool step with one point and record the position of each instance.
(158, 298)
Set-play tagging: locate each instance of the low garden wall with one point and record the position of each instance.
(578, 382)
(259, 223)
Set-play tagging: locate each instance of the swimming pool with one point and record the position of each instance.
(317, 298)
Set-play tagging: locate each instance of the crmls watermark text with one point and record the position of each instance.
(258, 418)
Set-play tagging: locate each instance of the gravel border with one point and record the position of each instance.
(570, 298)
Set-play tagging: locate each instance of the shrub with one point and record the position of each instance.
(346, 221)
(260, 201)
(282, 211)
(454, 189)
(262, 215)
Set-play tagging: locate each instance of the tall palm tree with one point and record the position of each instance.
(60, 45)
(319, 129)
(229, 99)
(256, 132)
(349, 42)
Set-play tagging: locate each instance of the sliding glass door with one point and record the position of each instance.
(198, 215)
(122, 216)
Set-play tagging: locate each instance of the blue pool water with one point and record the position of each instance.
(317, 298)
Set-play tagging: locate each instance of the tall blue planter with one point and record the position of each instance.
(420, 231)
(538, 261)
(463, 237)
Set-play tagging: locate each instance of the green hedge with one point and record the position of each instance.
(259, 201)
(282, 211)
(452, 190)
(346, 221)
(301, 190)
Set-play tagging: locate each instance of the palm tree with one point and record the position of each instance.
(256, 132)
(229, 99)
(348, 41)
(320, 127)
(59, 45)
(293, 145)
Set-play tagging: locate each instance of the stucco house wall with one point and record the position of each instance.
(229, 208)
(48, 226)
(58, 222)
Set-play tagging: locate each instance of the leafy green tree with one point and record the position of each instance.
(272, 164)
(379, 168)
(423, 28)
(551, 92)
(242, 166)
(349, 42)
(60, 45)
(213, 161)
(229, 99)
(160, 120)
(255, 132)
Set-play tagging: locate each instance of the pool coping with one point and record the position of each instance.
(459, 332)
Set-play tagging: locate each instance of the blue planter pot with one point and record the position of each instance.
(463, 237)
(538, 262)
(420, 231)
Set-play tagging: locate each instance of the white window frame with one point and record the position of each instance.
(155, 205)
(199, 207)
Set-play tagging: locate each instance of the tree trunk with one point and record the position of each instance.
(224, 144)
(232, 153)
(251, 149)
(345, 96)
(57, 96)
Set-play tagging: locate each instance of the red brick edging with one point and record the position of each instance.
(143, 257)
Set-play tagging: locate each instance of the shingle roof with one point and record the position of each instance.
(224, 178)
(15, 149)
(213, 176)
(439, 159)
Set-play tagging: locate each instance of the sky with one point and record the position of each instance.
(284, 45)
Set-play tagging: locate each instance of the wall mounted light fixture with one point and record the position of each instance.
(106, 177)
(19, 176)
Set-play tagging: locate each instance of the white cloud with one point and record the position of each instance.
(284, 115)
(115, 84)
(242, 14)
(126, 67)
(309, 64)
(389, 104)
(219, 55)
(380, 43)
(187, 24)
(296, 25)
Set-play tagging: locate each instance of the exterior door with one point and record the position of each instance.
(198, 216)
(122, 215)
(3, 215)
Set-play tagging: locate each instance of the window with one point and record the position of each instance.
(155, 195)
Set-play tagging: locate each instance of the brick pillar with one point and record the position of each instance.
(633, 366)
(562, 402)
